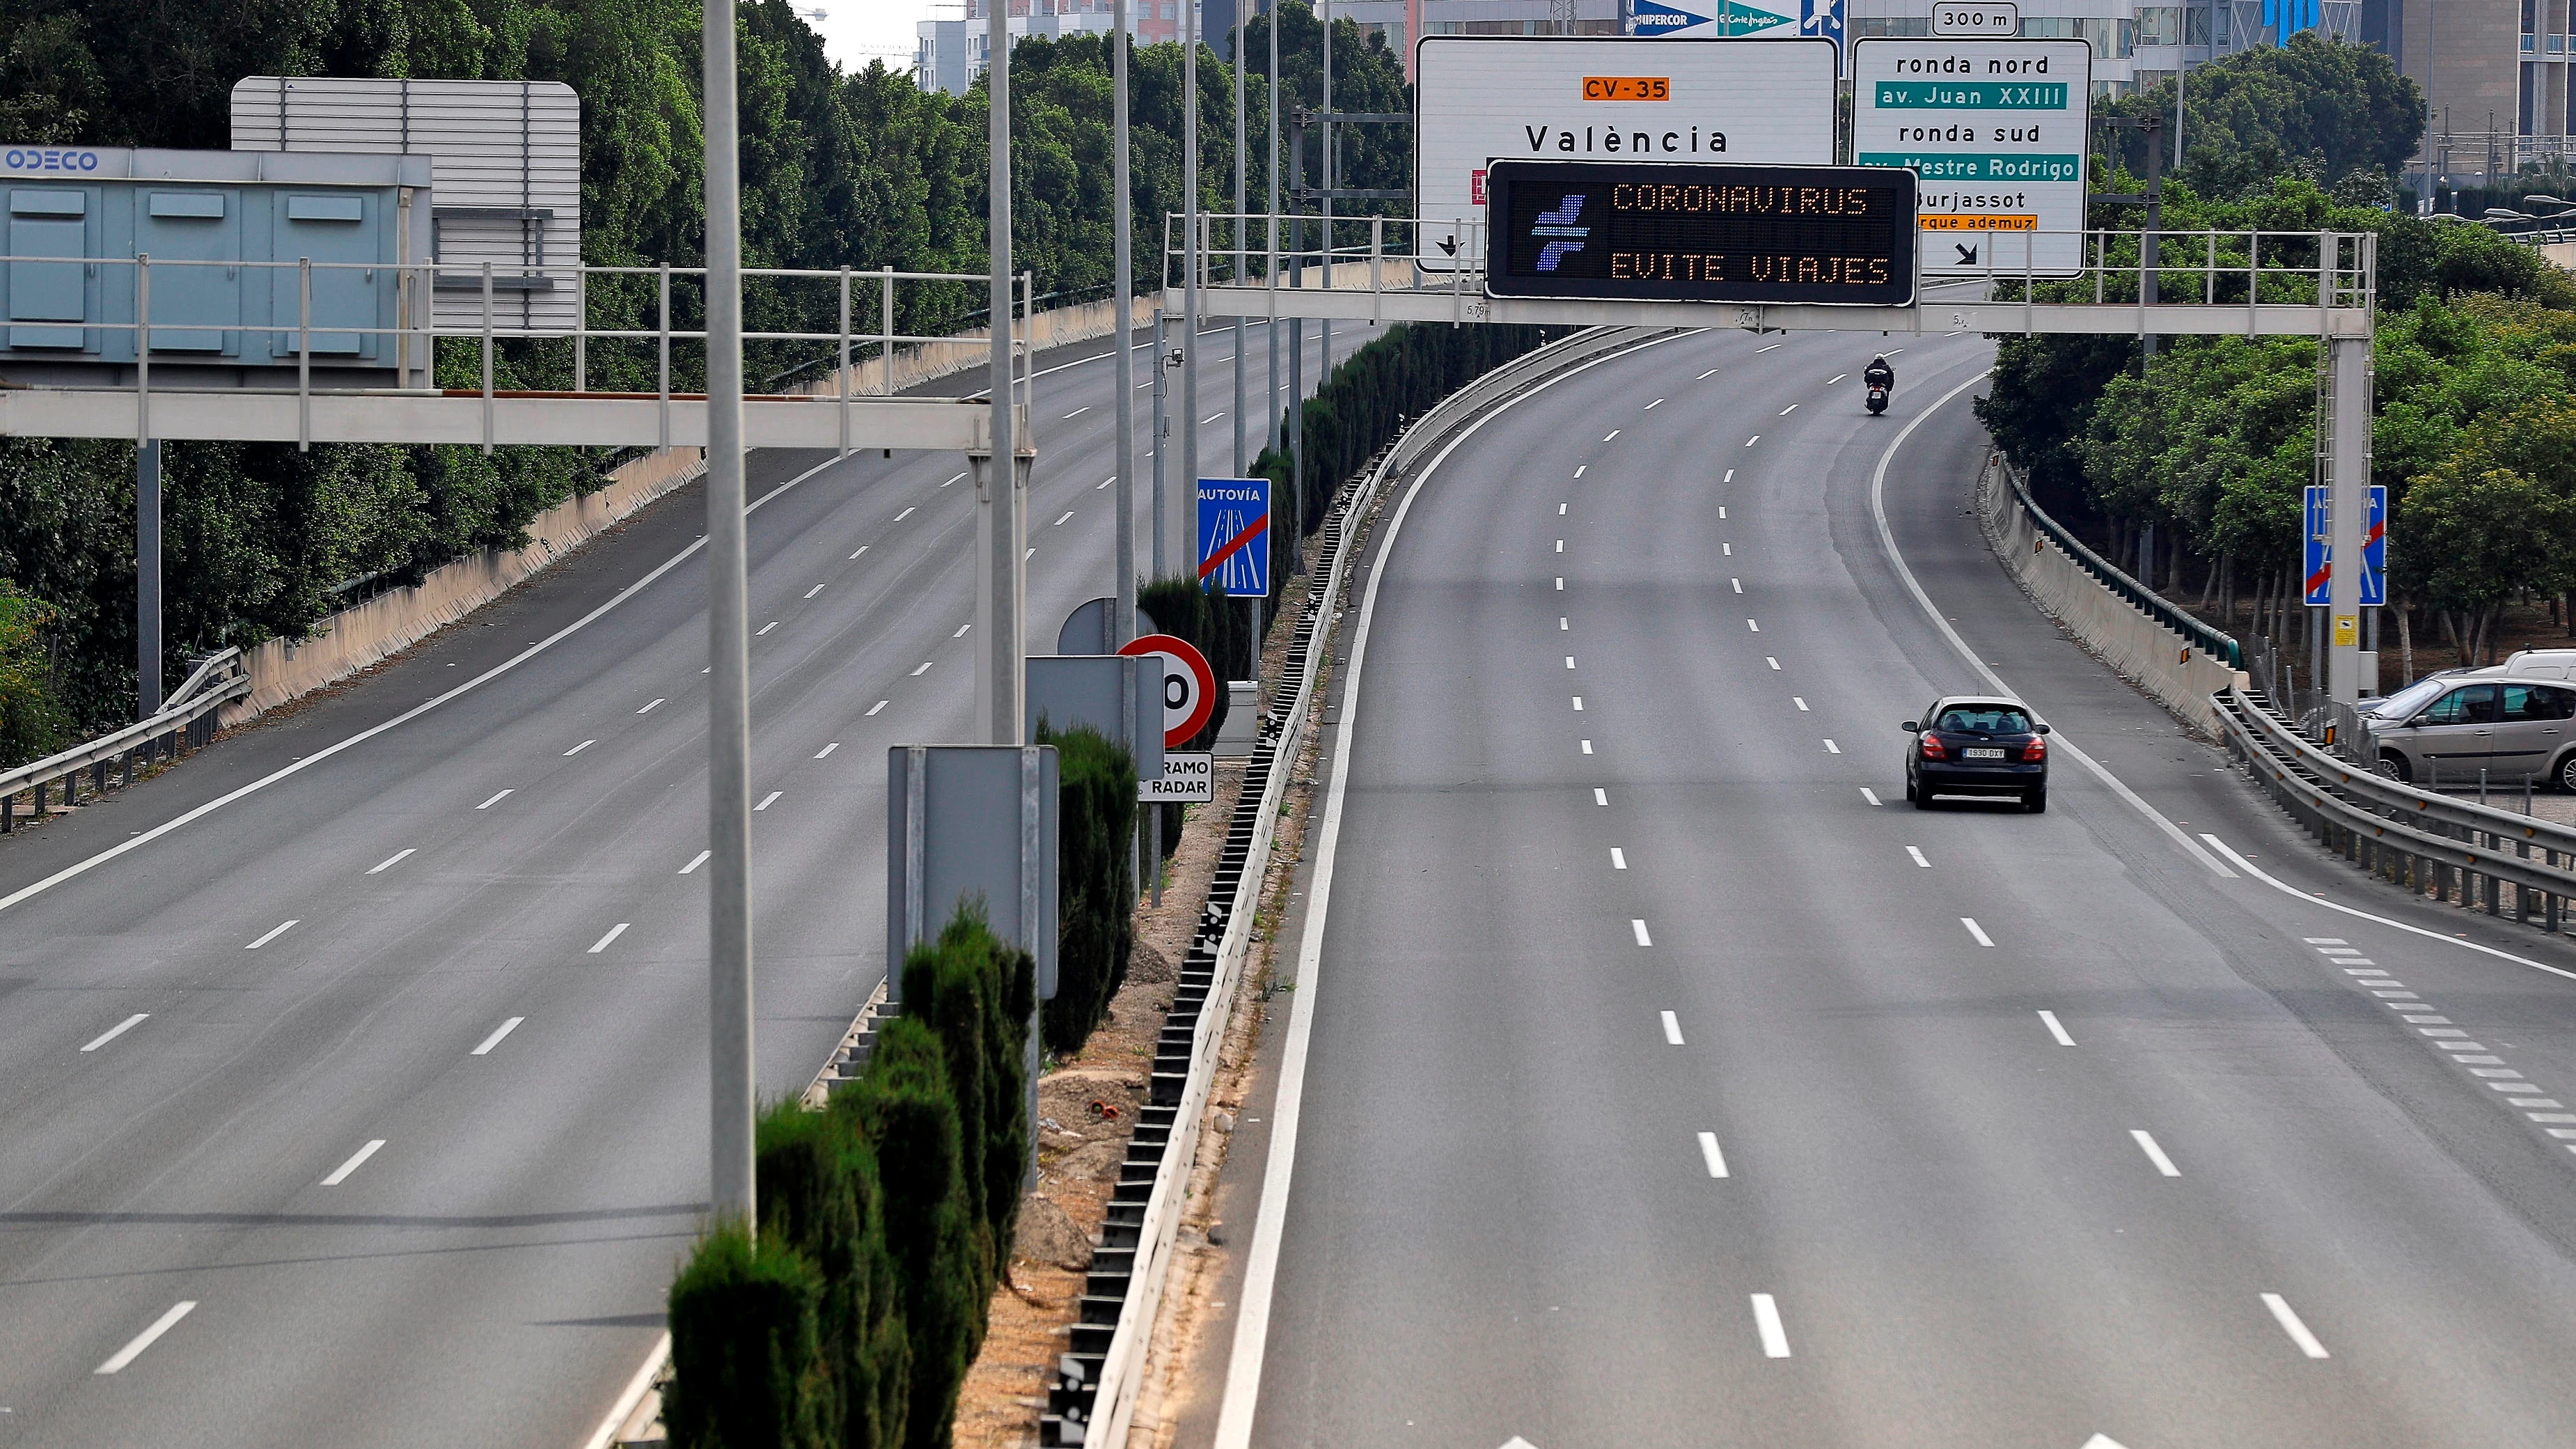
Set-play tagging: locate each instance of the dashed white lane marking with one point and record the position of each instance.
(1801, 703)
(1729, 478)
(872, 709)
(1760, 350)
(1832, 749)
(2326, 941)
(961, 631)
(1705, 376)
(1728, 550)
(1791, 408)
(1837, 377)
(827, 750)
(2049, 1019)
(1561, 625)
(390, 861)
(147, 1337)
(1739, 584)
(357, 1159)
(613, 933)
(273, 934)
(960, 478)
(657, 704)
(1560, 510)
(496, 799)
(924, 669)
(1579, 467)
(489, 1042)
(118, 1030)
(1869, 794)
(1976, 930)
(1059, 523)
(1569, 661)
(577, 749)
(1560, 583)
(1587, 747)
(1766, 1321)
(1212, 417)
(1560, 545)
(1105, 482)
(1600, 796)
(1614, 432)
(854, 558)
(1711, 1154)
(1916, 851)
(1640, 928)
(1672, 1029)
(695, 861)
(1650, 407)
(769, 799)
(1721, 515)
(765, 628)
(1749, 442)
(1753, 626)
(1077, 412)
(2291, 1325)
(2155, 1154)
(907, 513)
(809, 593)
(1578, 704)
(1767, 659)
(1618, 858)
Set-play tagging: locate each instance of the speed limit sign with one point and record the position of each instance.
(1189, 686)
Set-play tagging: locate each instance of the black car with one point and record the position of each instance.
(1977, 745)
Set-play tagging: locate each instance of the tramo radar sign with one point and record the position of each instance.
(1607, 99)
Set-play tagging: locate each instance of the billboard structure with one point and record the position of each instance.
(1996, 130)
(505, 167)
(1603, 98)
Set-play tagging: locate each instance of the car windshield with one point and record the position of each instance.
(2408, 700)
(1985, 719)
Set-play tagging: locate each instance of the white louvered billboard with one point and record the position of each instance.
(505, 176)
(1604, 98)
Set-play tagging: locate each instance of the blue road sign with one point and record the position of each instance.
(1234, 535)
(2319, 550)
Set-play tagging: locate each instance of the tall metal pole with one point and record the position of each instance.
(1122, 250)
(1185, 487)
(1162, 434)
(1324, 369)
(1240, 191)
(1270, 173)
(997, 481)
(147, 578)
(728, 649)
(2347, 509)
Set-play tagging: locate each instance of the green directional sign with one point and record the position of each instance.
(1995, 132)
(1940, 95)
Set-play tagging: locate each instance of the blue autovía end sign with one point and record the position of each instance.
(1234, 535)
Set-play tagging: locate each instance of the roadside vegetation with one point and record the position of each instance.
(2187, 467)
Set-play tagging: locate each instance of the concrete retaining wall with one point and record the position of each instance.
(2165, 664)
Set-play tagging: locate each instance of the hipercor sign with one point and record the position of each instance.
(1603, 98)
(1996, 131)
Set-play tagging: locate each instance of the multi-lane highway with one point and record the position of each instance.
(1659, 1076)
(353, 1076)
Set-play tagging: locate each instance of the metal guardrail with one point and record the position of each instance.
(2414, 837)
(2112, 577)
(187, 721)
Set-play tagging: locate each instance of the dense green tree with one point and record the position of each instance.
(2317, 107)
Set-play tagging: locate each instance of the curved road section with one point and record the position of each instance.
(368, 1105)
(1658, 1076)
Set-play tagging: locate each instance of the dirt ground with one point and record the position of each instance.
(1087, 1110)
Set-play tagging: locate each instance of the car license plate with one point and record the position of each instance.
(1977, 754)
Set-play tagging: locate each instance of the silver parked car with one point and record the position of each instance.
(2450, 727)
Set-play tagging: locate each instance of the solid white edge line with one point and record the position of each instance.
(118, 1030)
(1887, 543)
(631, 1395)
(357, 1159)
(413, 713)
(141, 1341)
(2056, 1029)
(2290, 1324)
(2155, 1154)
(1766, 1321)
(2267, 878)
(494, 1039)
(1261, 1268)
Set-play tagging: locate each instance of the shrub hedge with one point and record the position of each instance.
(884, 1222)
(1095, 881)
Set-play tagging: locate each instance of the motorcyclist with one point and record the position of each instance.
(1879, 374)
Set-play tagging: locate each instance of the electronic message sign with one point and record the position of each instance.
(1644, 231)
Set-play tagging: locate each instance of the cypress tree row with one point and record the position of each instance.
(1095, 888)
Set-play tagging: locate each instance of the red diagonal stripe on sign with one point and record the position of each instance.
(2318, 579)
(1218, 558)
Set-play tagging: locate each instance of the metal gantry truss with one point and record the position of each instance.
(845, 316)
